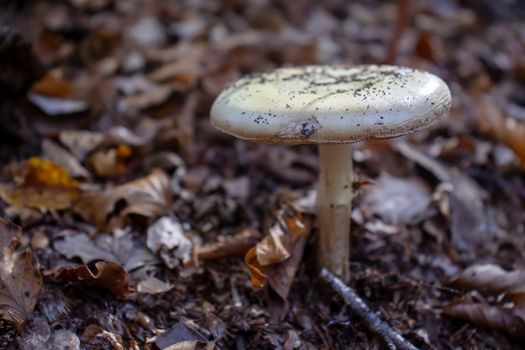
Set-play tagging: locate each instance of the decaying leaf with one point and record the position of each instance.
(63, 158)
(20, 279)
(111, 162)
(104, 274)
(119, 247)
(236, 245)
(53, 84)
(490, 278)
(504, 129)
(148, 196)
(275, 259)
(81, 142)
(397, 200)
(182, 337)
(166, 237)
(508, 314)
(153, 285)
(469, 227)
(495, 317)
(40, 184)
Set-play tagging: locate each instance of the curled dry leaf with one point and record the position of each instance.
(20, 279)
(148, 196)
(276, 258)
(40, 184)
(236, 245)
(110, 163)
(180, 337)
(63, 158)
(492, 279)
(504, 129)
(494, 317)
(166, 237)
(104, 274)
(119, 247)
(81, 142)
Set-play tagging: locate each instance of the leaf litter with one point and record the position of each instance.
(123, 89)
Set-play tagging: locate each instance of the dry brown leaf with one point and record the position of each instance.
(110, 163)
(153, 97)
(20, 279)
(81, 142)
(54, 85)
(492, 279)
(236, 245)
(104, 274)
(63, 158)
(119, 247)
(276, 258)
(494, 317)
(148, 196)
(40, 184)
(504, 129)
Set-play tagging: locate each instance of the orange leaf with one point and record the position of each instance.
(257, 271)
(40, 184)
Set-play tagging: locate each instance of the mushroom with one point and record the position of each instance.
(331, 107)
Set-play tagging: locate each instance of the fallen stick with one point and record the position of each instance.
(390, 336)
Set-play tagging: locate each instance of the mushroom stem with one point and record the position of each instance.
(334, 197)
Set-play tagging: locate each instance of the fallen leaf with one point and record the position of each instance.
(40, 184)
(119, 247)
(166, 237)
(494, 317)
(109, 163)
(397, 200)
(236, 245)
(152, 285)
(179, 337)
(53, 85)
(504, 129)
(81, 142)
(20, 279)
(274, 260)
(469, 226)
(153, 97)
(148, 196)
(63, 158)
(103, 274)
(57, 106)
(490, 278)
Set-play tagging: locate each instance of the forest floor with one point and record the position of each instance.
(134, 215)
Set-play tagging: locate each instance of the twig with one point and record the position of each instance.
(391, 337)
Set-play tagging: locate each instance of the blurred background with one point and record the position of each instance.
(112, 89)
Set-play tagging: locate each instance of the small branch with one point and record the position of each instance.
(391, 337)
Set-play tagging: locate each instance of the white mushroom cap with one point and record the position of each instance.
(322, 104)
